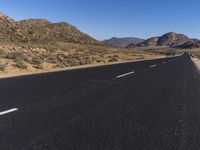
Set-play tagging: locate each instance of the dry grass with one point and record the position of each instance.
(197, 63)
(19, 57)
(195, 52)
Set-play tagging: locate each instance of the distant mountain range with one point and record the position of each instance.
(170, 39)
(123, 42)
(38, 44)
(41, 31)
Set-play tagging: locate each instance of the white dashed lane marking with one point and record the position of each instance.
(8, 111)
(152, 66)
(126, 74)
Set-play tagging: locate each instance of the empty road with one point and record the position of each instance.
(147, 105)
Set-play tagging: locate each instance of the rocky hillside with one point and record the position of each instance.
(193, 43)
(34, 45)
(123, 42)
(170, 39)
(147, 43)
(40, 31)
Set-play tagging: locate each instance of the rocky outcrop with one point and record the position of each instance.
(40, 31)
(190, 44)
(123, 42)
(170, 39)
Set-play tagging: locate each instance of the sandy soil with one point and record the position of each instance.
(24, 73)
(197, 62)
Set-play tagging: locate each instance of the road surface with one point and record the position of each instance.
(147, 105)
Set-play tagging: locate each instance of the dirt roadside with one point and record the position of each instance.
(197, 63)
(25, 73)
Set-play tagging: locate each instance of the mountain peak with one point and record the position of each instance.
(123, 42)
(168, 39)
(5, 17)
(40, 31)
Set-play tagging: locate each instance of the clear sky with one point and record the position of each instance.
(103, 19)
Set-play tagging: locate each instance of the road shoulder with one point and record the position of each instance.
(25, 73)
(197, 63)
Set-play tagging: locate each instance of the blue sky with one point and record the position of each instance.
(107, 18)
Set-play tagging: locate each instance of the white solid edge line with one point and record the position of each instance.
(126, 74)
(8, 111)
(164, 62)
(153, 66)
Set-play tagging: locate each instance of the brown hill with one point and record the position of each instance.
(37, 44)
(190, 44)
(170, 39)
(152, 42)
(40, 31)
(123, 42)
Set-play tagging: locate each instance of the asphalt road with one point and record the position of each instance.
(147, 105)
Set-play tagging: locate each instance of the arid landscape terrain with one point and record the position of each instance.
(39, 45)
(99, 75)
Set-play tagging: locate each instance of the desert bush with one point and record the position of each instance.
(2, 67)
(61, 65)
(113, 59)
(71, 62)
(18, 56)
(53, 59)
(21, 65)
(37, 60)
(83, 62)
(39, 66)
(196, 54)
(64, 63)
(3, 53)
(116, 56)
(31, 31)
(97, 59)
